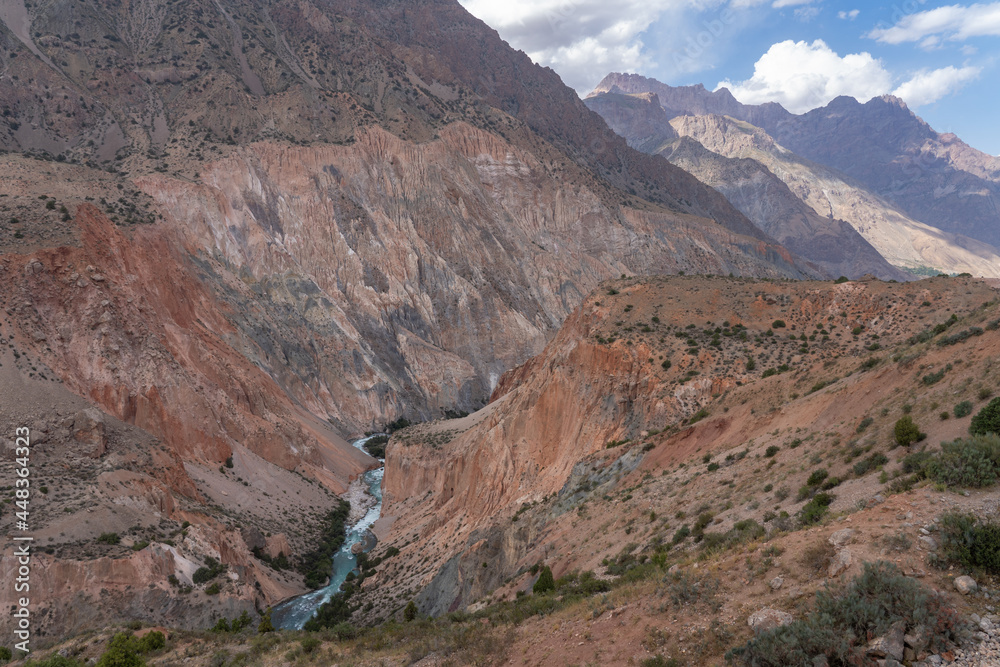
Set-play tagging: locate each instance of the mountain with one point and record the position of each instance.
(747, 183)
(241, 233)
(933, 178)
(594, 453)
(827, 193)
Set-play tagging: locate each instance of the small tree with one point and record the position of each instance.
(906, 431)
(410, 613)
(265, 623)
(122, 652)
(546, 582)
(987, 420)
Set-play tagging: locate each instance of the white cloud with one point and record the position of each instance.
(581, 39)
(851, 15)
(778, 4)
(802, 76)
(954, 22)
(928, 86)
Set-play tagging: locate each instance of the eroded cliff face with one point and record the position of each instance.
(428, 269)
(637, 368)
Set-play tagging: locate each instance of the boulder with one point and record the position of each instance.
(777, 583)
(965, 584)
(840, 562)
(928, 542)
(841, 537)
(889, 645)
(768, 619)
(88, 429)
(253, 538)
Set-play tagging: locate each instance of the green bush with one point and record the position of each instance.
(817, 477)
(778, 324)
(863, 424)
(971, 542)
(841, 279)
(209, 571)
(771, 451)
(987, 420)
(842, 621)
(545, 582)
(5, 654)
(905, 431)
(310, 644)
(109, 538)
(963, 409)
(213, 589)
(871, 463)
(122, 651)
(973, 462)
(814, 510)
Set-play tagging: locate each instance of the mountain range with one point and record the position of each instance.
(235, 236)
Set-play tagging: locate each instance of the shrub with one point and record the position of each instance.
(782, 493)
(751, 364)
(970, 541)
(972, 462)
(712, 467)
(229, 461)
(122, 651)
(152, 641)
(841, 622)
(681, 534)
(544, 584)
(771, 451)
(871, 463)
(698, 416)
(817, 477)
(213, 589)
(265, 624)
(310, 644)
(815, 509)
(666, 364)
(905, 431)
(778, 324)
(987, 420)
(841, 279)
(963, 409)
(209, 571)
(109, 538)
(863, 424)
(5, 654)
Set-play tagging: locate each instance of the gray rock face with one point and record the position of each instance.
(840, 562)
(889, 645)
(88, 429)
(768, 619)
(841, 537)
(965, 584)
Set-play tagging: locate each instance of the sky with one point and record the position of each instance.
(942, 59)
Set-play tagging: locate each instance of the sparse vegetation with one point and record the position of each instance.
(842, 622)
(987, 420)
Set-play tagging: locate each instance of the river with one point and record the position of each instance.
(293, 614)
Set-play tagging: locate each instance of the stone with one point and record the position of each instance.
(776, 583)
(88, 429)
(840, 562)
(928, 542)
(253, 538)
(768, 619)
(889, 645)
(357, 548)
(965, 584)
(841, 537)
